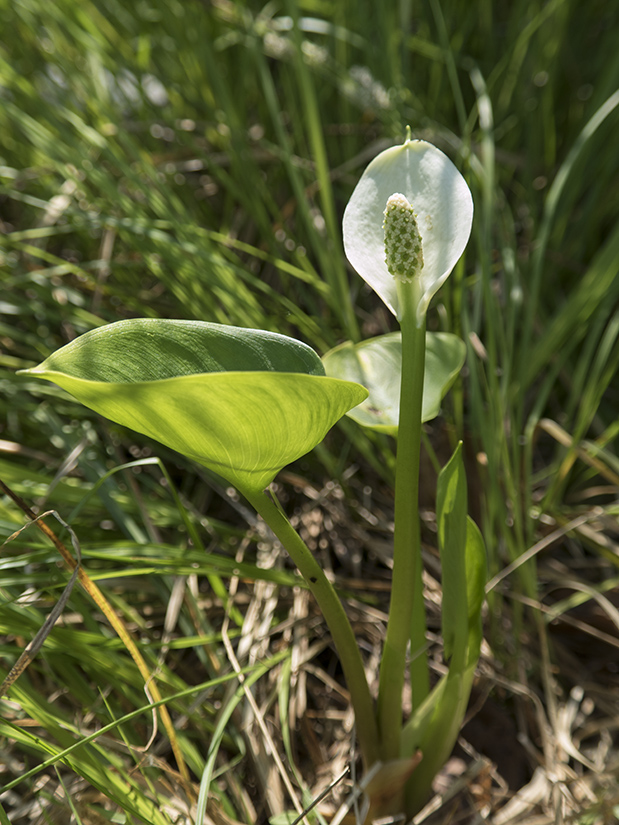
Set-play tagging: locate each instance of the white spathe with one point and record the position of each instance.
(443, 206)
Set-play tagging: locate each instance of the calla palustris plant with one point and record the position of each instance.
(405, 227)
(245, 403)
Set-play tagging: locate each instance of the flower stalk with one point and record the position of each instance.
(404, 259)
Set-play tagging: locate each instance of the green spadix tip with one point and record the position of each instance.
(403, 247)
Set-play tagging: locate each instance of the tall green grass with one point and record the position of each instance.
(193, 160)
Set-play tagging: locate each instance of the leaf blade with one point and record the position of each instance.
(245, 424)
(377, 363)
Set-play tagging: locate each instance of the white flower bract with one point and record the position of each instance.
(443, 208)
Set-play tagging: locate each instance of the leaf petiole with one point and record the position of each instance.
(335, 618)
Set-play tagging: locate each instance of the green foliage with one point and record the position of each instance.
(242, 402)
(377, 365)
(220, 201)
(434, 726)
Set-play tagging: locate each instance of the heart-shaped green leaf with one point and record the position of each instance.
(377, 364)
(242, 402)
(434, 726)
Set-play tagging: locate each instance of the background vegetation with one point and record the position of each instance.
(193, 160)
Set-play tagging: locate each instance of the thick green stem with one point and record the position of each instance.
(336, 619)
(406, 611)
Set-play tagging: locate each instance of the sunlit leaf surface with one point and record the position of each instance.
(242, 402)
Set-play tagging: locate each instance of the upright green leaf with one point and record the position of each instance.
(451, 513)
(435, 724)
(476, 578)
(242, 402)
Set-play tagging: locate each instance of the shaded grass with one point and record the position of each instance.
(192, 160)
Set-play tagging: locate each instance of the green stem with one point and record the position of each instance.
(406, 611)
(336, 619)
